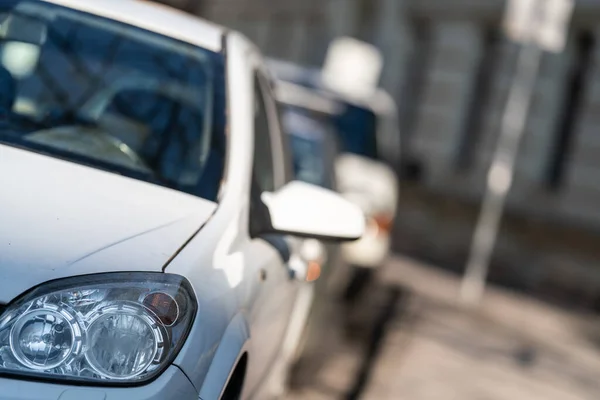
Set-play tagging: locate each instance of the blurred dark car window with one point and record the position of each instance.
(313, 147)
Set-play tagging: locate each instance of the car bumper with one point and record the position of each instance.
(370, 251)
(171, 385)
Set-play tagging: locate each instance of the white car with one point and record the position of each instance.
(368, 132)
(147, 211)
(306, 117)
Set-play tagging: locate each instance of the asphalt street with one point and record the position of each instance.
(410, 339)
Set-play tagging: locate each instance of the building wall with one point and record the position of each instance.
(550, 237)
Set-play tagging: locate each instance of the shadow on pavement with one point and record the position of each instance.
(343, 364)
(394, 296)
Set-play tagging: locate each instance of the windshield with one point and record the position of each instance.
(112, 96)
(308, 142)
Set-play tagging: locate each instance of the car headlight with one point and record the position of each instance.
(109, 328)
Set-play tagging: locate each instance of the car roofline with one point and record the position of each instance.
(297, 95)
(154, 17)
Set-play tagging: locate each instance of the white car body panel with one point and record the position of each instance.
(225, 265)
(372, 186)
(83, 223)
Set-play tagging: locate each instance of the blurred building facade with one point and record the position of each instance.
(449, 67)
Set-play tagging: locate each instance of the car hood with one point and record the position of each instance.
(59, 219)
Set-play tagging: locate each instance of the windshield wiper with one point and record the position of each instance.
(16, 138)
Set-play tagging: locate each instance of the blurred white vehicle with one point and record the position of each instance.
(147, 244)
(307, 120)
(365, 179)
(369, 137)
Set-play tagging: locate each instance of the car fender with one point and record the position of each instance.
(232, 347)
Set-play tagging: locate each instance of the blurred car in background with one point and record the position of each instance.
(306, 117)
(369, 140)
(147, 208)
(314, 146)
(367, 181)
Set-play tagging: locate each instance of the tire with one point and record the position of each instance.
(360, 279)
(233, 391)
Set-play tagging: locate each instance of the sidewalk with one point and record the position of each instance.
(512, 348)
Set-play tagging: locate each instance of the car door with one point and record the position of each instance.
(270, 311)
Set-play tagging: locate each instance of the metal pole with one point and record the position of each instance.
(501, 172)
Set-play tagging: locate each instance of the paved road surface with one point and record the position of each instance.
(511, 348)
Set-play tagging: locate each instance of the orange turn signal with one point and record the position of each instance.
(313, 271)
(164, 306)
(384, 223)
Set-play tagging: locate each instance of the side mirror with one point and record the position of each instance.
(306, 210)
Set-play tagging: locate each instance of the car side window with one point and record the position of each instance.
(263, 165)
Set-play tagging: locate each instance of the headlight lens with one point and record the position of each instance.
(110, 328)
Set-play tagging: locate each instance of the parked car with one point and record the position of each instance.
(386, 128)
(306, 117)
(367, 130)
(147, 209)
(366, 180)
